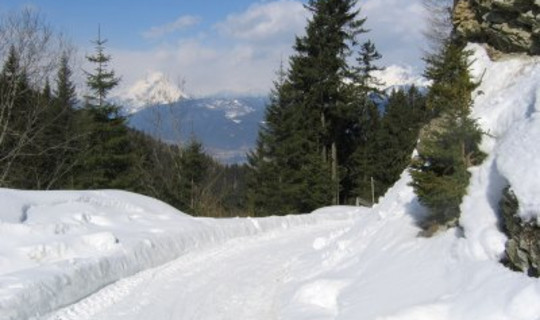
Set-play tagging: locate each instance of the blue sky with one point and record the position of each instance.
(216, 46)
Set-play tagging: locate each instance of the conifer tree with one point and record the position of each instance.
(60, 134)
(102, 81)
(363, 77)
(194, 167)
(109, 156)
(46, 94)
(397, 136)
(18, 120)
(265, 179)
(449, 144)
(361, 166)
(302, 140)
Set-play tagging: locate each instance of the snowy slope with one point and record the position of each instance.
(57, 248)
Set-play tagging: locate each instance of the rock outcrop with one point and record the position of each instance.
(523, 245)
(506, 25)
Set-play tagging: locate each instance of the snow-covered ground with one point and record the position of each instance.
(116, 255)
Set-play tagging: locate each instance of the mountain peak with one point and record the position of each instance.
(396, 76)
(156, 88)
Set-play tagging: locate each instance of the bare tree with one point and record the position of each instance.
(438, 23)
(35, 49)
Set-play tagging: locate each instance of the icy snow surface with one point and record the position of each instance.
(117, 255)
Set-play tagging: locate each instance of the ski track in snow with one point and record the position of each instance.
(239, 279)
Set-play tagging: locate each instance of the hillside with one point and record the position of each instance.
(227, 127)
(85, 251)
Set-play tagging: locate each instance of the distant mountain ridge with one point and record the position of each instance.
(227, 127)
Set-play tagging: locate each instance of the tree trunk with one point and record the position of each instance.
(335, 177)
(324, 151)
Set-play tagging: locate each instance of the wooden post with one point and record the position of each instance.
(372, 191)
(335, 178)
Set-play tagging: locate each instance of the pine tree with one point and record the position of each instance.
(396, 137)
(361, 166)
(18, 121)
(364, 80)
(300, 146)
(109, 156)
(363, 163)
(102, 81)
(449, 144)
(65, 93)
(60, 135)
(194, 167)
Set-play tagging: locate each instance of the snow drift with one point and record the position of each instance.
(58, 247)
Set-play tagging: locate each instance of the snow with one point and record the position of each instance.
(233, 109)
(58, 247)
(506, 106)
(117, 255)
(396, 77)
(154, 89)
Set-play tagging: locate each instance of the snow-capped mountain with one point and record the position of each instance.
(227, 127)
(395, 77)
(156, 88)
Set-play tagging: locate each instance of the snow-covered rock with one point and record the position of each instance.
(506, 106)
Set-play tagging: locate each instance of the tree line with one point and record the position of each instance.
(331, 137)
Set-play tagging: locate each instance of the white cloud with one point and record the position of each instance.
(262, 22)
(239, 55)
(242, 53)
(396, 28)
(181, 23)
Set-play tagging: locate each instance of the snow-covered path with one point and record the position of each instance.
(243, 278)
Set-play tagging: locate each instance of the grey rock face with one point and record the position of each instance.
(506, 25)
(523, 245)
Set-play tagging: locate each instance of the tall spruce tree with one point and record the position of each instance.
(449, 144)
(361, 165)
(194, 167)
(396, 137)
(267, 179)
(302, 139)
(61, 134)
(102, 80)
(109, 157)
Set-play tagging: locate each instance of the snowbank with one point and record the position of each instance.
(381, 270)
(385, 272)
(506, 105)
(58, 247)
